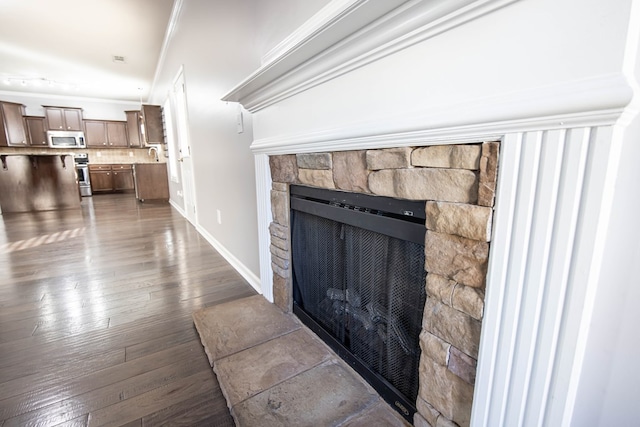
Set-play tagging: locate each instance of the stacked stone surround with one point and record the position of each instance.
(457, 183)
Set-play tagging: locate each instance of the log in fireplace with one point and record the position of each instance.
(358, 282)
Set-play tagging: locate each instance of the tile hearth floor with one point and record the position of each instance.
(274, 372)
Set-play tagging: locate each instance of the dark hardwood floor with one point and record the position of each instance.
(95, 317)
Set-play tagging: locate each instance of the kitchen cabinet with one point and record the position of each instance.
(110, 178)
(101, 179)
(133, 128)
(122, 177)
(95, 133)
(31, 183)
(117, 134)
(63, 118)
(151, 181)
(105, 134)
(12, 131)
(152, 121)
(36, 133)
(145, 126)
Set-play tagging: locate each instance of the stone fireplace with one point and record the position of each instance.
(402, 76)
(457, 184)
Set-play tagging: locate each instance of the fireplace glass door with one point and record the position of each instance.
(362, 290)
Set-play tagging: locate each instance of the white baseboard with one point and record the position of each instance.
(177, 207)
(248, 275)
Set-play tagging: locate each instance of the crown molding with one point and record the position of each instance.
(173, 21)
(347, 36)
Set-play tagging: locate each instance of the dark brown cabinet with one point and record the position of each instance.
(122, 177)
(110, 178)
(117, 134)
(105, 134)
(133, 128)
(36, 131)
(95, 133)
(63, 118)
(101, 178)
(151, 181)
(12, 132)
(145, 126)
(38, 183)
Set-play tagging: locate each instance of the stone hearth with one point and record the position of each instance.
(273, 371)
(457, 183)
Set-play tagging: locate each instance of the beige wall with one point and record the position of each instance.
(218, 44)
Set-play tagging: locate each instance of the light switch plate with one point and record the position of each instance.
(240, 119)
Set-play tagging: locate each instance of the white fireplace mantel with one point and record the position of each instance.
(560, 116)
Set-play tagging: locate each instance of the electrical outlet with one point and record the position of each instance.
(130, 153)
(219, 216)
(99, 154)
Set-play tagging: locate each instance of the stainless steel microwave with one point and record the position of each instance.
(66, 139)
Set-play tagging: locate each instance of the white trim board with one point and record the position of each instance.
(596, 101)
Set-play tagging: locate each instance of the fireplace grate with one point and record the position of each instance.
(364, 289)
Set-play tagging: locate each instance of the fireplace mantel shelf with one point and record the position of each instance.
(346, 35)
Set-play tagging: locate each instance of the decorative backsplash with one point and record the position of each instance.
(96, 156)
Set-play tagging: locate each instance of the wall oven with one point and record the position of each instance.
(65, 139)
(82, 169)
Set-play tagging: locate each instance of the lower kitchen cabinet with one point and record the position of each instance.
(110, 178)
(122, 177)
(151, 181)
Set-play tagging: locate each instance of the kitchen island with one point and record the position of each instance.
(38, 182)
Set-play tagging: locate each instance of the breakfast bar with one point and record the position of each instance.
(38, 182)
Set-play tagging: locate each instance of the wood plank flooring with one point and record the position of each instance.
(95, 317)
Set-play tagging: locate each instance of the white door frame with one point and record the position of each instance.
(179, 95)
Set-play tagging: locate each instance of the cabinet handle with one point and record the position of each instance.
(108, 173)
(68, 127)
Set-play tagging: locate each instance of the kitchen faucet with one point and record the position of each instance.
(155, 150)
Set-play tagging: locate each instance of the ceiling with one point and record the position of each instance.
(67, 47)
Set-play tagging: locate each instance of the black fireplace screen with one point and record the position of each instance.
(363, 288)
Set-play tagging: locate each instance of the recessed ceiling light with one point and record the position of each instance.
(119, 58)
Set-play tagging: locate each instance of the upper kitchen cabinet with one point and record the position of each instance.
(63, 118)
(117, 134)
(134, 119)
(95, 133)
(105, 134)
(145, 126)
(36, 131)
(12, 132)
(152, 120)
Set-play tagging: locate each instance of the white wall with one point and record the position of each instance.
(274, 20)
(218, 43)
